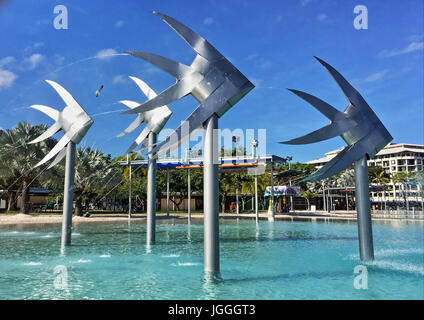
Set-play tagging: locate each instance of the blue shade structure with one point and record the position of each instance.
(358, 125)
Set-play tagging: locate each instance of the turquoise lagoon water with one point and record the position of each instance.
(280, 260)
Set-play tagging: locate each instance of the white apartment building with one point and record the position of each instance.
(395, 157)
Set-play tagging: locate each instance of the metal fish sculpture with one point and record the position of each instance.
(155, 119)
(73, 120)
(211, 79)
(358, 126)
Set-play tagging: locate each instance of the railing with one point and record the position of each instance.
(399, 214)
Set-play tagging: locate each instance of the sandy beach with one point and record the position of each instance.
(13, 219)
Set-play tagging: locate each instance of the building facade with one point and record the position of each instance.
(394, 158)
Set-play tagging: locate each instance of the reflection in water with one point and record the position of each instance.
(189, 232)
(271, 226)
(211, 281)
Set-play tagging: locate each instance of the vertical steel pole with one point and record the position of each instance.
(324, 205)
(291, 197)
(68, 193)
(151, 192)
(167, 192)
(130, 187)
(256, 197)
(347, 202)
(189, 195)
(363, 208)
(237, 196)
(211, 197)
(272, 193)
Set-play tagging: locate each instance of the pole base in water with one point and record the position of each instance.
(271, 211)
(68, 194)
(211, 197)
(151, 193)
(363, 208)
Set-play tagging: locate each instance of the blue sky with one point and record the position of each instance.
(271, 42)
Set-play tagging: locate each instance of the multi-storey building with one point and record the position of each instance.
(395, 157)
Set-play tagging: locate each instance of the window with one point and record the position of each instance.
(393, 161)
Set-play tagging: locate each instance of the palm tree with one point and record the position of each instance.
(92, 171)
(399, 177)
(18, 158)
(247, 186)
(382, 180)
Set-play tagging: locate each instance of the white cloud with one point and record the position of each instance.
(59, 60)
(321, 17)
(7, 60)
(33, 61)
(416, 37)
(37, 45)
(413, 46)
(251, 56)
(373, 77)
(256, 81)
(208, 21)
(119, 79)
(265, 65)
(31, 48)
(304, 3)
(6, 79)
(106, 53)
(119, 23)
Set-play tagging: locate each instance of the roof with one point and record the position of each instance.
(226, 162)
(391, 148)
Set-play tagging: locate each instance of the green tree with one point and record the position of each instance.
(18, 158)
(308, 195)
(92, 170)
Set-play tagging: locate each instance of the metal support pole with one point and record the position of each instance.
(363, 208)
(291, 197)
(323, 198)
(189, 195)
(256, 197)
(347, 202)
(271, 218)
(68, 193)
(130, 187)
(211, 197)
(237, 196)
(328, 202)
(151, 192)
(167, 192)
